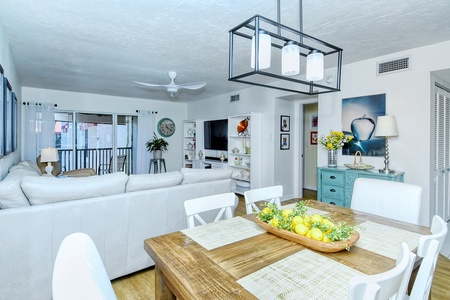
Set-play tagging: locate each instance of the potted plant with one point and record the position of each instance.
(157, 146)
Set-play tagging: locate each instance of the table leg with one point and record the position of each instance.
(162, 291)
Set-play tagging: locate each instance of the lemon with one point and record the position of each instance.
(286, 213)
(297, 220)
(273, 222)
(326, 239)
(328, 225)
(316, 234)
(316, 218)
(266, 211)
(307, 220)
(301, 229)
(308, 234)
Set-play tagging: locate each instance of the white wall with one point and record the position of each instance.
(6, 60)
(109, 104)
(407, 97)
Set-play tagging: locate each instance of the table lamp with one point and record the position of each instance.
(49, 155)
(386, 127)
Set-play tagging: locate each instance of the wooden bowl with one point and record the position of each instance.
(308, 242)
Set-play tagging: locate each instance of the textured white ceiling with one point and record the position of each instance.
(102, 46)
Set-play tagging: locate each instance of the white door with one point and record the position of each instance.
(440, 201)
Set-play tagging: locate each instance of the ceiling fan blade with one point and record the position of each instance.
(151, 84)
(192, 85)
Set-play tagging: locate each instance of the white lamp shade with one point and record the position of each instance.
(314, 66)
(49, 155)
(290, 59)
(265, 44)
(386, 126)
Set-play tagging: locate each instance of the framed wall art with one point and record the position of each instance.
(2, 101)
(313, 138)
(285, 123)
(285, 142)
(314, 121)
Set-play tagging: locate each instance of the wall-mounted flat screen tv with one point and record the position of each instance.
(216, 135)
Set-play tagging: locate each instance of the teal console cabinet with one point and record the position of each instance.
(335, 185)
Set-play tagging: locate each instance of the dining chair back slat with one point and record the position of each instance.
(439, 229)
(270, 194)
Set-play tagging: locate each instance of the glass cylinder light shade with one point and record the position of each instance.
(314, 66)
(290, 59)
(265, 45)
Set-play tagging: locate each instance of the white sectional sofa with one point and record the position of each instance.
(116, 210)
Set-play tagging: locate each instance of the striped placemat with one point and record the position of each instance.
(385, 240)
(310, 210)
(218, 234)
(304, 275)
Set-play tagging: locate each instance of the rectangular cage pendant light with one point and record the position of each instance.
(282, 58)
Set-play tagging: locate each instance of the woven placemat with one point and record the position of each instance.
(385, 240)
(310, 211)
(304, 275)
(218, 234)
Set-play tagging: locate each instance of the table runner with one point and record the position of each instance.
(218, 234)
(385, 240)
(304, 275)
(310, 210)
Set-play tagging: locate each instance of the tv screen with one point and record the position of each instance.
(216, 135)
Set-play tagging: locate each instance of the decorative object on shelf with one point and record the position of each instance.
(166, 127)
(190, 146)
(294, 47)
(245, 173)
(242, 127)
(222, 157)
(49, 155)
(238, 161)
(285, 123)
(235, 150)
(190, 132)
(332, 142)
(360, 165)
(386, 127)
(285, 141)
(191, 154)
(247, 150)
(157, 146)
(200, 154)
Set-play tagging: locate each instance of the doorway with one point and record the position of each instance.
(310, 131)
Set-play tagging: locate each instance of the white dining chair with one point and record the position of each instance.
(79, 272)
(384, 285)
(439, 230)
(221, 202)
(270, 194)
(422, 284)
(390, 199)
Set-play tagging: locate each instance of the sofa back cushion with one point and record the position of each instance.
(141, 182)
(11, 194)
(203, 175)
(49, 189)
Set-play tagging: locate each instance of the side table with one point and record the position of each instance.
(157, 165)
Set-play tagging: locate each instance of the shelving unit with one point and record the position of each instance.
(192, 141)
(244, 152)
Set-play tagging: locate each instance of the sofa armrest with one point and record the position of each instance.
(79, 172)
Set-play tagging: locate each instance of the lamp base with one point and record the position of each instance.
(49, 168)
(386, 171)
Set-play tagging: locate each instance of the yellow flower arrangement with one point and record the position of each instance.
(334, 141)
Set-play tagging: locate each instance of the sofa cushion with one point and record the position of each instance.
(49, 189)
(203, 175)
(26, 165)
(141, 182)
(11, 194)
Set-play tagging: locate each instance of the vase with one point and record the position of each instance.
(332, 158)
(157, 154)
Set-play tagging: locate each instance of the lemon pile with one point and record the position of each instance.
(316, 226)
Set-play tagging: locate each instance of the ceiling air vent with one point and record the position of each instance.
(396, 65)
(234, 98)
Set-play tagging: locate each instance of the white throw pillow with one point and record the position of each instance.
(11, 194)
(203, 175)
(49, 189)
(140, 182)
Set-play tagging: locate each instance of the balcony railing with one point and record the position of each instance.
(93, 158)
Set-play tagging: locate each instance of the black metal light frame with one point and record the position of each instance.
(307, 43)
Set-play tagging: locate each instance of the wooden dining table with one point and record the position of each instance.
(186, 269)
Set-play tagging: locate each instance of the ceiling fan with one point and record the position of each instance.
(173, 88)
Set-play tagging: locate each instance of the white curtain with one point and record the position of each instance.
(39, 128)
(146, 127)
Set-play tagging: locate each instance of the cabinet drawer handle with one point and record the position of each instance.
(332, 177)
(332, 203)
(333, 190)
